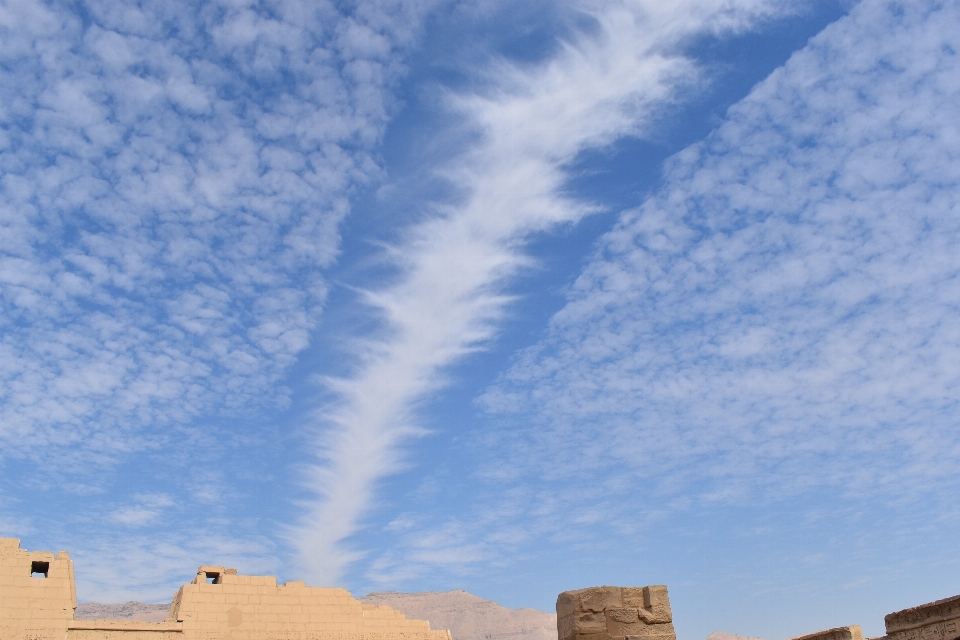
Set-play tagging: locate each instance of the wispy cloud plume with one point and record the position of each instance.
(449, 295)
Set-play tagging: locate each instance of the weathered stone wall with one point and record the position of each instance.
(938, 620)
(237, 607)
(123, 630)
(37, 596)
(37, 600)
(615, 613)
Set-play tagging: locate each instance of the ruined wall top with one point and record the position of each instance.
(933, 612)
(853, 632)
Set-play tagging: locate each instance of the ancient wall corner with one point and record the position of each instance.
(37, 590)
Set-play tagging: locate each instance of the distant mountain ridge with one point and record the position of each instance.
(130, 611)
(720, 635)
(469, 617)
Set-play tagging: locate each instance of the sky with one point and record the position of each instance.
(511, 296)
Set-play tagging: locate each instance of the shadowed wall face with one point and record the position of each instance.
(615, 613)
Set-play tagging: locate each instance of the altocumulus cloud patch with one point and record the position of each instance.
(173, 176)
(782, 314)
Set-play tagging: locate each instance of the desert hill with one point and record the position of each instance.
(129, 611)
(720, 635)
(469, 617)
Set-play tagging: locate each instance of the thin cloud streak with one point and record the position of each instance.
(454, 267)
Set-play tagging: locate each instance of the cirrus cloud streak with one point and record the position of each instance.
(454, 267)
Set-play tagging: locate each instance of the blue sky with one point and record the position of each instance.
(513, 297)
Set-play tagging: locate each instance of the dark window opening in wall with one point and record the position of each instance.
(39, 569)
(213, 578)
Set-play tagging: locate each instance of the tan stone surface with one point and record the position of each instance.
(123, 630)
(469, 617)
(938, 620)
(218, 604)
(37, 595)
(615, 613)
(852, 632)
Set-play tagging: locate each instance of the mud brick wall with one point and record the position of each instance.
(615, 613)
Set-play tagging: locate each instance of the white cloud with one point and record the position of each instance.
(150, 569)
(449, 293)
(782, 315)
(173, 175)
(146, 510)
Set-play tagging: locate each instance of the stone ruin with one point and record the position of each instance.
(938, 620)
(839, 633)
(615, 613)
(643, 613)
(38, 597)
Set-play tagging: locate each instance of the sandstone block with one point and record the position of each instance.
(591, 636)
(600, 598)
(852, 632)
(624, 612)
(938, 620)
(631, 614)
(587, 623)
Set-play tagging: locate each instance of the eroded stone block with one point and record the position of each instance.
(852, 632)
(600, 599)
(631, 614)
(615, 613)
(591, 622)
